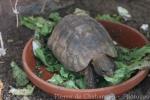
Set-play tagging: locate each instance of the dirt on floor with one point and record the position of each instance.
(15, 39)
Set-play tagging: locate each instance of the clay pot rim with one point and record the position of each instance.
(126, 26)
(59, 88)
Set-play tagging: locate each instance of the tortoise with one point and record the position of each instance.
(83, 45)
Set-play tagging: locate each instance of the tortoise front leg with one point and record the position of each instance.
(89, 77)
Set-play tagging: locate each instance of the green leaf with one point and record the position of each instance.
(68, 75)
(138, 54)
(123, 54)
(29, 22)
(64, 73)
(80, 12)
(113, 18)
(119, 76)
(39, 53)
(125, 71)
(139, 65)
(70, 84)
(45, 56)
(56, 79)
(19, 75)
(41, 26)
(81, 83)
(26, 91)
(55, 16)
(127, 62)
(52, 67)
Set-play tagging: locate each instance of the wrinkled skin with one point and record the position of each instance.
(78, 41)
(101, 65)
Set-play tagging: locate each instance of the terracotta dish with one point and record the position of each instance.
(122, 34)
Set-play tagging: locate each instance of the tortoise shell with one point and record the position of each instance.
(76, 40)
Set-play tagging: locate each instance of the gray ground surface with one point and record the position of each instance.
(138, 8)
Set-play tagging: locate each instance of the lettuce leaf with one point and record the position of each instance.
(26, 91)
(56, 79)
(19, 75)
(113, 18)
(40, 25)
(70, 84)
(45, 56)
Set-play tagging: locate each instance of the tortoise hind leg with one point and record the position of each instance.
(89, 77)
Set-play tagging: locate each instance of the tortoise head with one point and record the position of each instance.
(103, 65)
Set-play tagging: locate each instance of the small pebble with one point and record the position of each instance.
(1, 62)
(145, 30)
(115, 43)
(2, 49)
(110, 97)
(10, 40)
(25, 98)
(124, 13)
(144, 27)
(2, 52)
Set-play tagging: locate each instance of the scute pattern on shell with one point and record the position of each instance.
(76, 40)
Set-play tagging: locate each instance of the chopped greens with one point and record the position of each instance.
(81, 12)
(119, 76)
(138, 54)
(54, 17)
(81, 83)
(26, 91)
(41, 26)
(70, 84)
(133, 55)
(64, 73)
(56, 79)
(45, 56)
(113, 18)
(19, 75)
(127, 62)
(68, 79)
